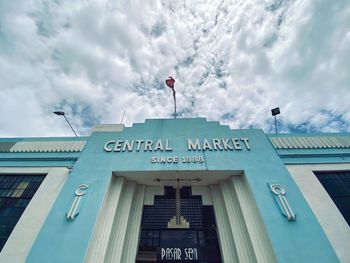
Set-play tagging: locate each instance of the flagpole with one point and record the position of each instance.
(174, 95)
(170, 83)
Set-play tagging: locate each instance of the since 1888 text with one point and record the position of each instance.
(176, 159)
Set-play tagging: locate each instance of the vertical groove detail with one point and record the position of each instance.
(257, 233)
(134, 224)
(238, 226)
(121, 218)
(242, 234)
(228, 249)
(99, 241)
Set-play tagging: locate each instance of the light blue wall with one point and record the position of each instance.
(62, 241)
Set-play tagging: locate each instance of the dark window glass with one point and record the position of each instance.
(200, 238)
(337, 185)
(159, 214)
(15, 193)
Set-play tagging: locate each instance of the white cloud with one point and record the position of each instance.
(233, 62)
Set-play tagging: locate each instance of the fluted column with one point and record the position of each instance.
(227, 245)
(255, 227)
(121, 218)
(238, 226)
(242, 234)
(130, 246)
(99, 241)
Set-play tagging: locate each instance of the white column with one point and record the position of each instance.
(238, 226)
(120, 222)
(255, 227)
(131, 242)
(242, 234)
(99, 241)
(227, 245)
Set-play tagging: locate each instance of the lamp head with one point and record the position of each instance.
(275, 111)
(59, 113)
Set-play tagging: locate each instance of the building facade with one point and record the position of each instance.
(175, 190)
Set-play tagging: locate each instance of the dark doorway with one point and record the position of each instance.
(198, 243)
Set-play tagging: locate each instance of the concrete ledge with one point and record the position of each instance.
(108, 128)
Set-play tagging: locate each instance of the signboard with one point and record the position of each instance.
(164, 145)
(178, 254)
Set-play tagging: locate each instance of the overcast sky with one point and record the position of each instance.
(232, 60)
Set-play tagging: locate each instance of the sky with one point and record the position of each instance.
(233, 62)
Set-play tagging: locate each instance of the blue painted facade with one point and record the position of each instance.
(63, 241)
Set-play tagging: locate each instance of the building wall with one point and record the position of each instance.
(250, 223)
(260, 163)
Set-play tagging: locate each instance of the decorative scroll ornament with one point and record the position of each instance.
(73, 211)
(280, 196)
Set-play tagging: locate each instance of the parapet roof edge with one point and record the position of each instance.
(204, 119)
(272, 135)
(44, 139)
(108, 128)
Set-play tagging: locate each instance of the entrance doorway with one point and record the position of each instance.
(194, 240)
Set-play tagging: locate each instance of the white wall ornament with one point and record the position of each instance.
(279, 194)
(74, 209)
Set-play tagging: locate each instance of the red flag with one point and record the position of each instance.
(170, 82)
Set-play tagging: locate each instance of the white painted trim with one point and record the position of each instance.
(331, 220)
(24, 234)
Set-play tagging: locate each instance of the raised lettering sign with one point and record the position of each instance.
(163, 145)
(193, 145)
(179, 254)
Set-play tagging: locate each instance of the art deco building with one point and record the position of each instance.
(175, 190)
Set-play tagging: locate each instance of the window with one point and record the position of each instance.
(337, 185)
(16, 191)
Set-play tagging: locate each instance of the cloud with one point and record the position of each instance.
(233, 62)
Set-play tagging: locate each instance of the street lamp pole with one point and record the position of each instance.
(62, 113)
(274, 113)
